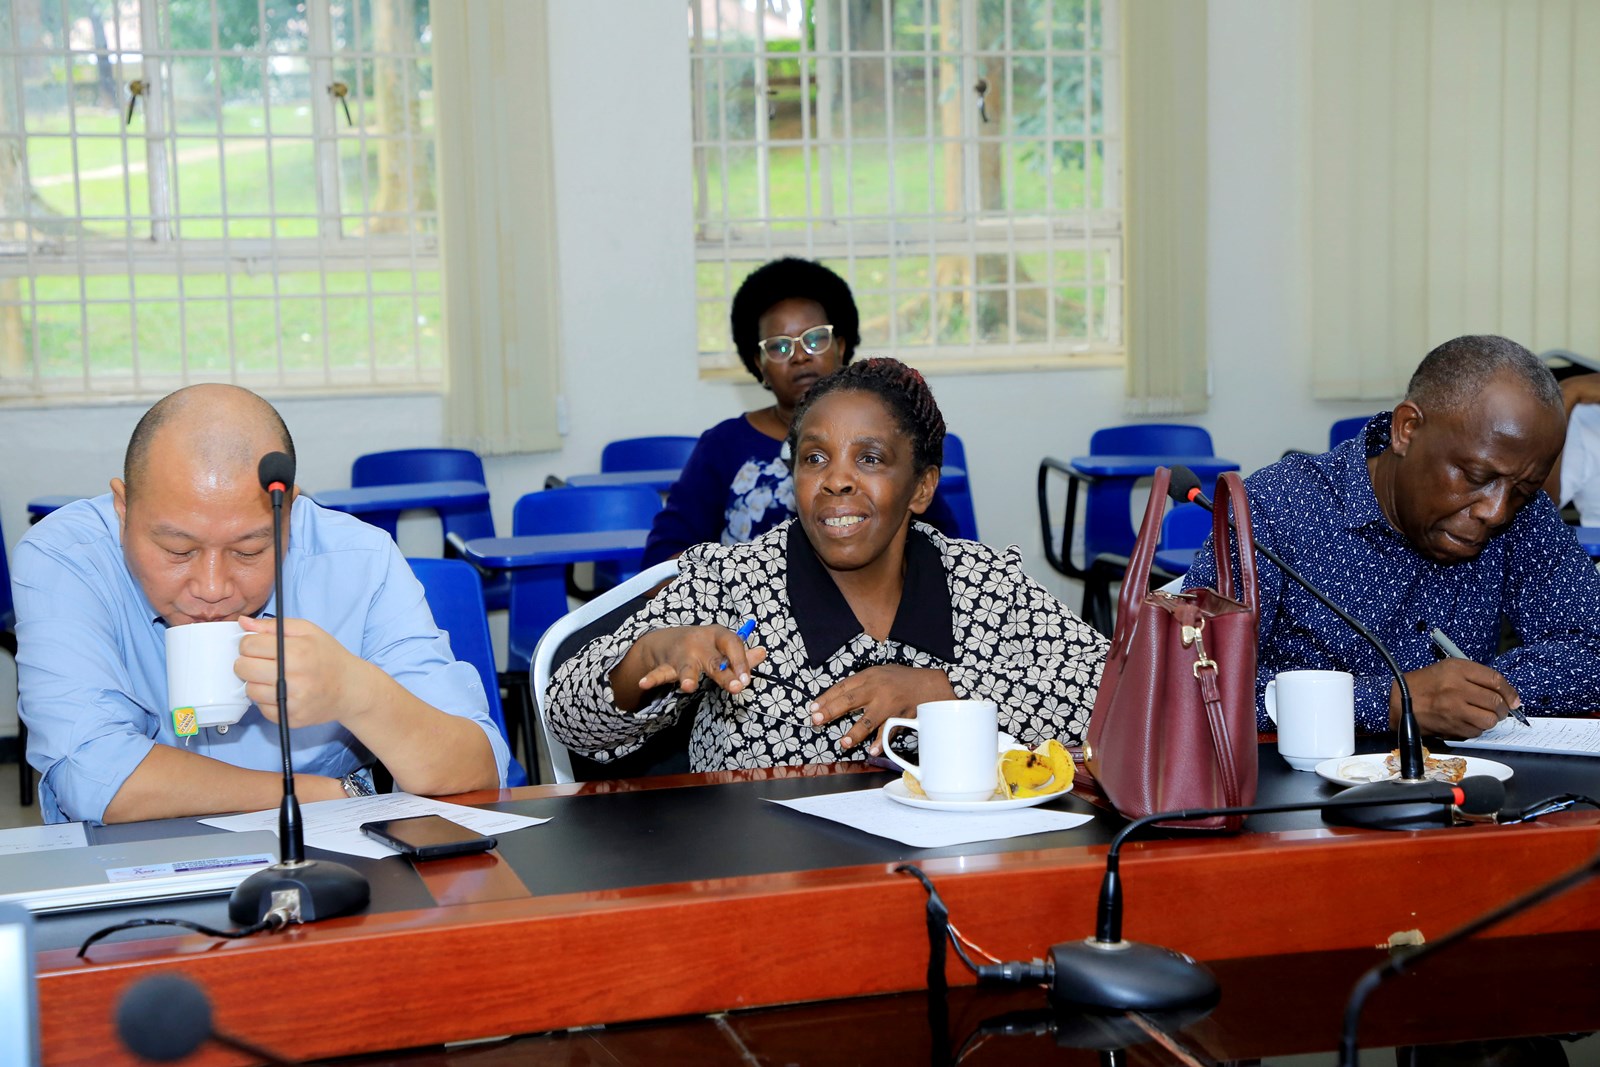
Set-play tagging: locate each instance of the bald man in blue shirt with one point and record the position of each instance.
(1433, 517)
(186, 536)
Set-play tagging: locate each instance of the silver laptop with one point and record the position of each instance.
(19, 989)
(97, 876)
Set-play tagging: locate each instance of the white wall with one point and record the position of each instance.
(623, 188)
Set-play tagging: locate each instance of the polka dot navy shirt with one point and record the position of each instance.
(1319, 513)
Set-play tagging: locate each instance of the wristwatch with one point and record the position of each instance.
(356, 783)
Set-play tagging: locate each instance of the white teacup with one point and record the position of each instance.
(956, 746)
(200, 658)
(1315, 713)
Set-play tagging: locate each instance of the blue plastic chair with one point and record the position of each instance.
(1184, 529)
(439, 465)
(539, 594)
(1345, 429)
(1109, 532)
(8, 641)
(646, 454)
(959, 501)
(455, 597)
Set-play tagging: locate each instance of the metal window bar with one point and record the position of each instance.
(816, 225)
(167, 250)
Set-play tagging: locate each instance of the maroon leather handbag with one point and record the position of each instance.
(1174, 722)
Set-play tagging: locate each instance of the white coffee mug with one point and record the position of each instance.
(957, 741)
(1315, 713)
(200, 678)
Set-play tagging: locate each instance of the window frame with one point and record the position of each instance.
(162, 253)
(844, 240)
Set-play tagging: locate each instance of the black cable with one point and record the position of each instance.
(271, 922)
(1548, 807)
(939, 926)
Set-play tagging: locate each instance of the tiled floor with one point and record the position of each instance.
(12, 813)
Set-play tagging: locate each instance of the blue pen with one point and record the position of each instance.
(746, 628)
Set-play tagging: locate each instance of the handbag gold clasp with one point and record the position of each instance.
(1191, 636)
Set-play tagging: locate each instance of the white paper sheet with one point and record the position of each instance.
(870, 811)
(1561, 737)
(40, 838)
(335, 825)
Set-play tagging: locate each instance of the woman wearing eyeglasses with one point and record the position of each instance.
(794, 321)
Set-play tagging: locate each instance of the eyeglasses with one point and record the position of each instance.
(781, 348)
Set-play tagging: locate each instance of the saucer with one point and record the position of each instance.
(1359, 770)
(897, 791)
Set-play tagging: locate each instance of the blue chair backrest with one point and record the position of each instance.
(8, 611)
(646, 454)
(1151, 439)
(959, 501)
(539, 594)
(955, 453)
(455, 596)
(1108, 525)
(1185, 526)
(429, 465)
(1345, 429)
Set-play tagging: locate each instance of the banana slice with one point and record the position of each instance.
(1041, 772)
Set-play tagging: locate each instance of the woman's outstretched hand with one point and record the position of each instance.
(680, 656)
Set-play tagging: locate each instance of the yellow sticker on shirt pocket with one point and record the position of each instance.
(185, 723)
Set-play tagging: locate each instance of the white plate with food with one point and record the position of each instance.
(897, 791)
(1375, 767)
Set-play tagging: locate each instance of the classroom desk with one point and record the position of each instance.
(1206, 468)
(1589, 540)
(1175, 560)
(952, 478)
(381, 505)
(40, 506)
(685, 896)
(547, 550)
(659, 480)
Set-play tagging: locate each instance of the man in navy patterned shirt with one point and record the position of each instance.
(1434, 515)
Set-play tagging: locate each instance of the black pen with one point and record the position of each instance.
(1447, 647)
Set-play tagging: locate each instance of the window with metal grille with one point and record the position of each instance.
(205, 190)
(957, 161)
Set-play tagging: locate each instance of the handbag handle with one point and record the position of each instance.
(1232, 500)
(1136, 579)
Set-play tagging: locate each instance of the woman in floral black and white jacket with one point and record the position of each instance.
(861, 613)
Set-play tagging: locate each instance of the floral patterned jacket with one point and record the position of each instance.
(966, 609)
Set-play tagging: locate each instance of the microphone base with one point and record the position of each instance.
(321, 890)
(1128, 976)
(1423, 815)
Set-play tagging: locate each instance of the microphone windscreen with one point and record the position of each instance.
(276, 467)
(1481, 794)
(1182, 484)
(164, 1018)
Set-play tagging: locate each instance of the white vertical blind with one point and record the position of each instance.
(1164, 93)
(497, 221)
(1455, 182)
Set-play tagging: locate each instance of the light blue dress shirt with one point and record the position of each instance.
(91, 660)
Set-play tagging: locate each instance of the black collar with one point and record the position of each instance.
(826, 623)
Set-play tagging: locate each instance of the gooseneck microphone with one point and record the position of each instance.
(1107, 973)
(167, 1018)
(294, 889)
(1349, 1052)
(1185, 488)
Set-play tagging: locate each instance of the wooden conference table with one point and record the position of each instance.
(683, 896)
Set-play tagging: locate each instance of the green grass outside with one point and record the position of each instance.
(164, 319)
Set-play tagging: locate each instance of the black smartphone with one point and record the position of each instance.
(428, 837)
